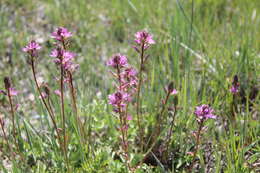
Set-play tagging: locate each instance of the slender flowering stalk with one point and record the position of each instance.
(63, 59)
(143, 40)
(127, 80)
(32, 50)
(202, 113)
(169, 135)
(11, 92)
(60, 53)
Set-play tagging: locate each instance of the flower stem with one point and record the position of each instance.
(43, 100)
(122, 118)
(13, 118)
(138, 101)
(63, 113)
(197, 144)
(168, 139)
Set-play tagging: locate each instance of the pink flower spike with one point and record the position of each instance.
(61, 33)
(57, 92)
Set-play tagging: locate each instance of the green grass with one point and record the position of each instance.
(199, 46)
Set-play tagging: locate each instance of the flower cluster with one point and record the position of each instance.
(32, 48)
(235, 85)
(204, 112)
(62, 56)
(117, 61)
(127, 81)
(119, 100)
(144, 40)
(61, 34)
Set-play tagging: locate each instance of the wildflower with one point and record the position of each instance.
(129, 118)
(64, 57)
(174, 92)
(13, 92)
(118, 98)
(235, 85)
(32, 48)
(57, 92)
(204, 112)
(117, 60)
(143, 38)
(129, 77)
(171, 90)
(62, 54)
(61, 33)
(43, 95)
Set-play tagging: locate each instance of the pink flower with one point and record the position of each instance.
(56, 53)
(44, 95)
(129, 78)
(32, 48)
(174, 92)
(13, 92)
(234, 89)
(61, 34)
(117, 98)
(235, 85)
(117, 60)
(65, 57)
(60, 53)
(130, 73)
(144, 38)
(204, 112)
(129, 117)
(57, 92)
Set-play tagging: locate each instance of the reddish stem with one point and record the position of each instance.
(138, 101)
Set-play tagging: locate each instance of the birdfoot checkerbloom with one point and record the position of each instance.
(61, 33)
(204, 112)
(117, 60)
(31, 48)
(144, 39)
